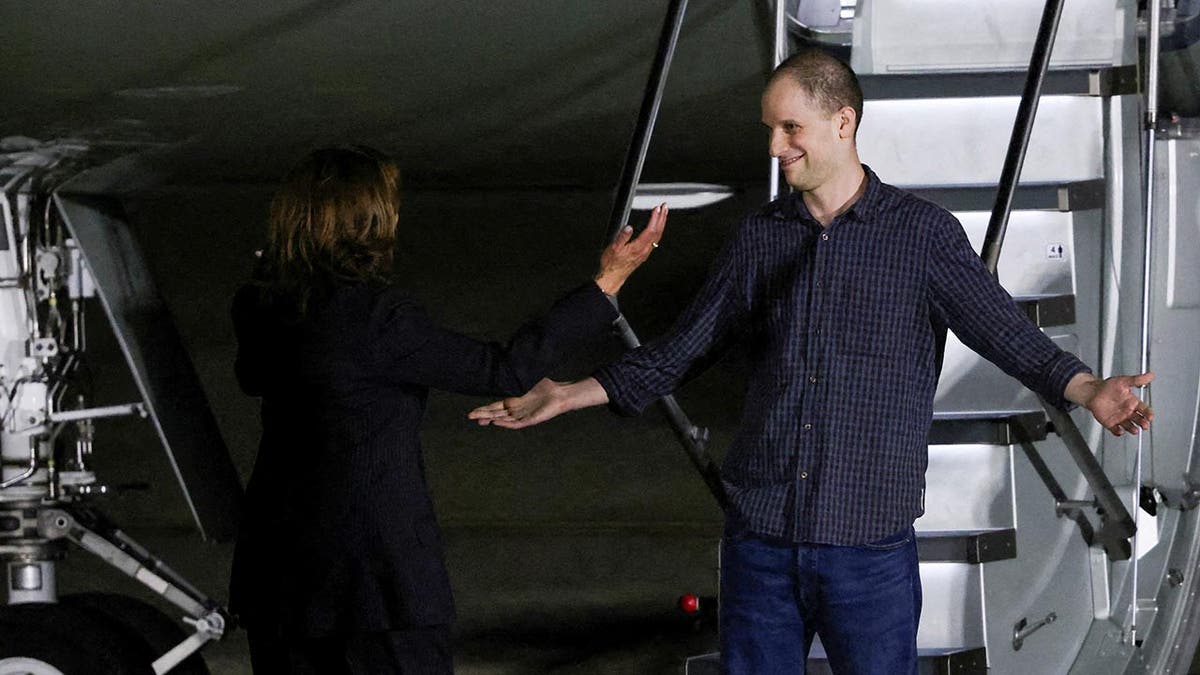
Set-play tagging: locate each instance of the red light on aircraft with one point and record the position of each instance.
(689, 603)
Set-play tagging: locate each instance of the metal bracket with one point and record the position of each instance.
(1058, 310)
(1115, 81)
(1114, 541)
(209, 627)
(1072, 507)
(138, 409)
(1183, 499)
(93, 533)
(1116, 524)
(1140, 619)
(118, 550)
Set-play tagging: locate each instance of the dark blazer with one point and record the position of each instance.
(339, 533)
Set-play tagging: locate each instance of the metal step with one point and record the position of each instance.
(949, 661)
(1110, 81)
(971, 387)
(936, 36)
(1039, 257)
(1050, 310)
(971, 547)
(963, 141)
(987, 428)
(968, 488)
(1079, 195)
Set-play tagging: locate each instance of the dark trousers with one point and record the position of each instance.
(415, 651)
(863, 601)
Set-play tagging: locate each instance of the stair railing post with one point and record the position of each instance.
(780, 53)
(1018, 143)
(1116, 520)
(1153, 37)
(694, 439)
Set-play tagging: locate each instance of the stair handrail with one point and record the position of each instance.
(693, 438)
(1117, 526)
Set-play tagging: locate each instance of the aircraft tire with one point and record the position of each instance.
(157, 629)
(47, 639)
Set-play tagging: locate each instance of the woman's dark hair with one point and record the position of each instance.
(332, 222)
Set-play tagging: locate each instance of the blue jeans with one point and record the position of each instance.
(864, 602)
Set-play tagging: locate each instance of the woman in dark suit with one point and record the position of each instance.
(339, 565)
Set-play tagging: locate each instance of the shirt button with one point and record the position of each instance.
(813, 379)
(803, 475)
(819, 284)
(807, 427)
(825, 236)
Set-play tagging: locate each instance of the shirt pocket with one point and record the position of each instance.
(875, 313)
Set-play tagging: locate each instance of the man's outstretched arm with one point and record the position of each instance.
(546, 400)
(649, 372)
(1112, 401)
(986, 319)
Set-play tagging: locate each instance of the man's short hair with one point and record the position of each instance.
(831, 83)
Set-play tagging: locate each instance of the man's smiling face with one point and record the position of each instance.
(804, 137)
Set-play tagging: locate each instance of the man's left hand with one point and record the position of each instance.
(1112, 401)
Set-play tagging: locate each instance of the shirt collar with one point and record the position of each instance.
(793, 205)
(868, 203)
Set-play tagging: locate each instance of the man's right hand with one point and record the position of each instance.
(547, 399)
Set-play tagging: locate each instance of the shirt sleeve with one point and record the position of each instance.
(410, 347)
(654, 370)
(984, 316)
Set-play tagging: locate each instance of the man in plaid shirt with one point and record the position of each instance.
(843, 290)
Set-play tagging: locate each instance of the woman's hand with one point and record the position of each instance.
(624, 255)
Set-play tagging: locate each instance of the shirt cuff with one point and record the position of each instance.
(1060, 373)
(610, 379)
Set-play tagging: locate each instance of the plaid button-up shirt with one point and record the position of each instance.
(844, 324)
